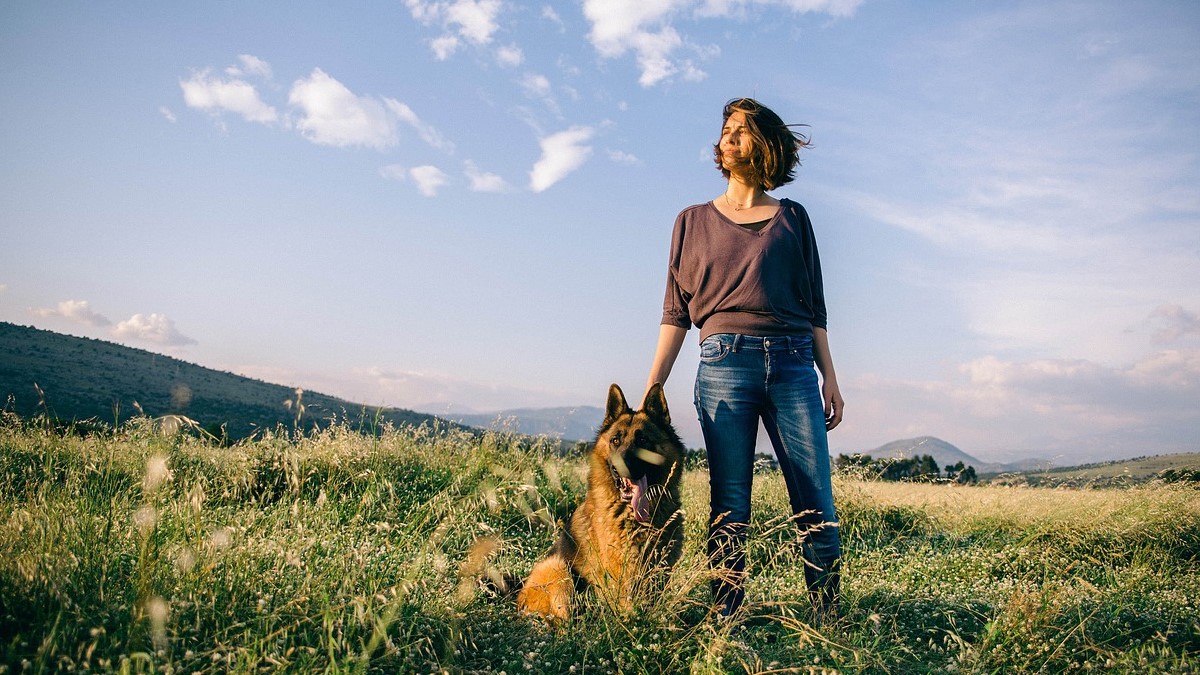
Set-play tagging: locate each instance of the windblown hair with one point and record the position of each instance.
(775, 146)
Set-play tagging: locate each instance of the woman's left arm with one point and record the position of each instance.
(829, 384)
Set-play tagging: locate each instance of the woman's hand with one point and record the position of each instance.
(829, 386)
(833, 404)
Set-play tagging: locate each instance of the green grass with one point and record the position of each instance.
(338, 552)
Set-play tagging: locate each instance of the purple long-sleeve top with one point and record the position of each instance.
(726, 278)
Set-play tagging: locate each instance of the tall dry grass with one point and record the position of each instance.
(140, 551)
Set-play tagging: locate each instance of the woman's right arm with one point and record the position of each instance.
(670, 340)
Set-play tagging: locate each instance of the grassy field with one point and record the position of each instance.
(341, 552)
(1111, 474)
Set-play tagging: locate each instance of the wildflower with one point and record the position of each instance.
(158, 611)
(221, 538)
(185, 559)
(157, 473)
(145, 518)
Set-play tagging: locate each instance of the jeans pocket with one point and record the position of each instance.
(712, 350)
(803, 352)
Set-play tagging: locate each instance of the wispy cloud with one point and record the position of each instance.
(537, 86)
(250, 66)
(216, 95)
(646, 28)
(474, 21)
(562, 153)
(153, 328)
(426, 131)
(324, 110)
(79, 311)
(482, 181)
(511, 56)
(429, 179)
(1057, 226)
(1065, 406)
(622, 157)
(331, 114)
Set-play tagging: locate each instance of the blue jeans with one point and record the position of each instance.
(742, 379)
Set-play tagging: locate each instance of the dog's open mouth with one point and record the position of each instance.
(636, 495)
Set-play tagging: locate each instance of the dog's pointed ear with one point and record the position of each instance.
(655, 404)
(616, 405)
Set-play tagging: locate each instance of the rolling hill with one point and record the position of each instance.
(1120, 472)
(946, 454)
(75, 379)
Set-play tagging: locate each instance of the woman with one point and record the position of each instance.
(744, 269)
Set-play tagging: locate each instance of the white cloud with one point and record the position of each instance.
(535, 85)
(644, 27)
(429, 179)
(79, 311)
(215, 95)
(167, 114)
(251, 65)
(444, 47)
(333, 115)
(510, 56)
(475, 19)
(619, 26)
(472, 20)
(552, 16)
(482, 181)
(621, 157)
(562, 153)
(154, 328)
(425, 131)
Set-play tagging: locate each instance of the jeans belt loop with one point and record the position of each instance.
(737, 341)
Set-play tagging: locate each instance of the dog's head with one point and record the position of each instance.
(641, 450)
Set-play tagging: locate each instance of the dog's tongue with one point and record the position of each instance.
(639, 502)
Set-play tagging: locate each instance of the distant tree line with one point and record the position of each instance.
(922, 468)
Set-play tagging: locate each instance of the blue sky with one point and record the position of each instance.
(466, 204)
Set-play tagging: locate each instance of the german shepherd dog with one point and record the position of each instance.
(629, 527)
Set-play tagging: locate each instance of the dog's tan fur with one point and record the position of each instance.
(614, 541)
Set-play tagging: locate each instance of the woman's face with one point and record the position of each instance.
(735, 141)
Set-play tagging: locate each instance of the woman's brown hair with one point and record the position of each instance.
(775, 146)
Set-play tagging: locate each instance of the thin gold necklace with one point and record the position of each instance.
(739, 207)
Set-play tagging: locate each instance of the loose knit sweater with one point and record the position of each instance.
(725, 278)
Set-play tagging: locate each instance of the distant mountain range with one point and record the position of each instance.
(569, 424)
(75, 379)
(946, 454)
